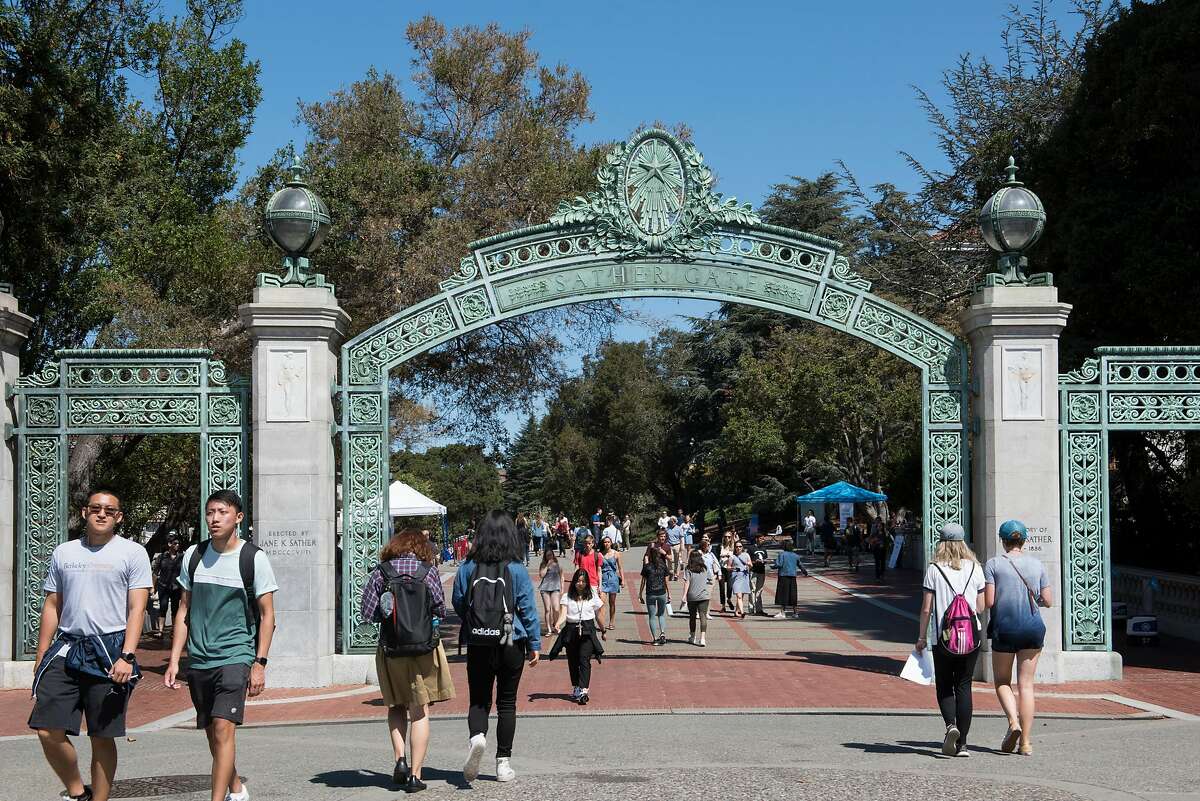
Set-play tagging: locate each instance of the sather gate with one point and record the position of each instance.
(654, 228)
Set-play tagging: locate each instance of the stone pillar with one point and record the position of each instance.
(1014, 331)
(296, 332)
(14, 329)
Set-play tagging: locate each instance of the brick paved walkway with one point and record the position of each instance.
(844, 653)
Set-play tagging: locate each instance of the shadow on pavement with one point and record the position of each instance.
(349, 779)
(868, 663)
(550, 697)
(920, 748)
(454, 778)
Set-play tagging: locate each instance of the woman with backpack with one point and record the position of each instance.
(954, 597)
(493, 597)
(550, 587)
(612, 578)
(655, 593)
(579, 622)
(1017, 586)
(409, 680)
(588, 560)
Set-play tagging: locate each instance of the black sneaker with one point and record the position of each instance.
(583, 699)
(86, 795)
(402, 773)
(414, 785)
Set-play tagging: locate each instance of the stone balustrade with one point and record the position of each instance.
(1176, 602)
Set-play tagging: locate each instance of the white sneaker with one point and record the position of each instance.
(780, 616)
(710, 617)
(702, 643)
(476, 746)
(244, 795)
(504, 771)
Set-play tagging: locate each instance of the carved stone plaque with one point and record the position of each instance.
(1022, 384)
(287, 385)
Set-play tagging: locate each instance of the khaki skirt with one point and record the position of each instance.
(414, 680)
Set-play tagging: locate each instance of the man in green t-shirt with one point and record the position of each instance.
(228, 634)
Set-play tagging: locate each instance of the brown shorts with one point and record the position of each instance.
(414, 680)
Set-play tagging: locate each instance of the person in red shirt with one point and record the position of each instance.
(588, 560)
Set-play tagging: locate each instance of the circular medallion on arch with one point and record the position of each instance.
(654, 187)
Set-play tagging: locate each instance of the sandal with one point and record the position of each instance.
(1011, 737)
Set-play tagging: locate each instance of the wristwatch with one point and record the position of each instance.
(262, 660)
(129, 657)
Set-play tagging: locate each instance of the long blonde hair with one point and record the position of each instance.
(953, 553)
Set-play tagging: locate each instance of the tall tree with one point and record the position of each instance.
(481, 143)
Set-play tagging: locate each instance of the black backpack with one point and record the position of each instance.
(245, 567)
(490, 604)
(406, 624)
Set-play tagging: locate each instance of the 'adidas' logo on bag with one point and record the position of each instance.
(486, 632)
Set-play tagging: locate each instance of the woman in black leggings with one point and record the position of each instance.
(580, 619)
(496, 649)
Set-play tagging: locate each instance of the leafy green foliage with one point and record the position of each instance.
(481, 144)
(460, 477)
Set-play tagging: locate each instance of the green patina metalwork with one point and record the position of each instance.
(113, 392)
(654, 228)
(1129, 388)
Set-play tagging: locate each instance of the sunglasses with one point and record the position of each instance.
(108, 510)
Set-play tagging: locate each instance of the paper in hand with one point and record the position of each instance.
(919, 667)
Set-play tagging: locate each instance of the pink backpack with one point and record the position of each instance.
(959, 633)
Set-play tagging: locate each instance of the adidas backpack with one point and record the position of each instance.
(960, 632)
(489, 618)
(406, 617)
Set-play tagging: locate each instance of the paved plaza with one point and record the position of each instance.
(798, 709)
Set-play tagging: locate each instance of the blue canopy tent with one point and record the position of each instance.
(841, 492)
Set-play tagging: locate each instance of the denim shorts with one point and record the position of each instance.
(1012, 641)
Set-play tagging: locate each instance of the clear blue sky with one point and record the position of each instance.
(770, 89)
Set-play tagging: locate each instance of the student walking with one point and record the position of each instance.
(96, 590)
(404, 595)
(587, 559)
(612, 578)
(227, 633)
(788, 565)
(810, 530)
(723, 552)
(739, 578)
(655, 593)
(166, 571)
(877, 543)
(1017, 585)
(540, 533)
(698, 592)
(493, 597)
(758, 569)
(550, 588)
(524, 535)
(953, 596)
(580, 619)
(714, 568)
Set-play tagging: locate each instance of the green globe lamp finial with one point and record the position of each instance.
(297, 220)
(1011, 222)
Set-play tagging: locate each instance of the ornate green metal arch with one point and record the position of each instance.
(1123, 388)
(113, 392)
(653, 229)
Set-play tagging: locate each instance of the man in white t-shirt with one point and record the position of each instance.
(612, 531)
(810, 531)
(96, 593)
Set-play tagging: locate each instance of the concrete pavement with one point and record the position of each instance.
(808, 708)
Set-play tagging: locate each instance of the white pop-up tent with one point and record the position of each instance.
(404, 501)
